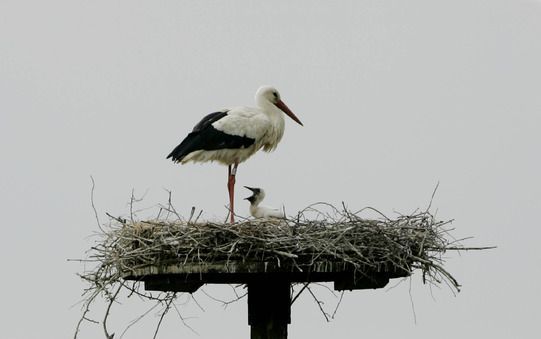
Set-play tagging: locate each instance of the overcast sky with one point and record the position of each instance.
(395, 96)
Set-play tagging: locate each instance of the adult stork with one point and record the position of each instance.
(233, 135)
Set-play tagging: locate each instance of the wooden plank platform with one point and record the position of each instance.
(189, 277)
(269, 284)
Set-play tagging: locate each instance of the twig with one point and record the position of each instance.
(94, 206)
(412, 304)
(83, 318)
(318, 304)
(136, 320)
(223, 302)
(299, 293)
(167, 306)
(338, 304)
(111, 301)
(184, 320)
(432, 197)
(191, 214)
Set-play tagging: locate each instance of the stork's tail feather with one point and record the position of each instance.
(187, 146)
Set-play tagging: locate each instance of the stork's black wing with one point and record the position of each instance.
(205, 137)
(208, 120)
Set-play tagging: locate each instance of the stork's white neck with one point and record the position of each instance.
(265, 98)
(268, 107)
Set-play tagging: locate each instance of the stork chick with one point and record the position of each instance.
(261, 211)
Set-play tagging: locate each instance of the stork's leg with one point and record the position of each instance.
(231, 189)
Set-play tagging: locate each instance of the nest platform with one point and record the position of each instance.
(269, 255)
(183, 257)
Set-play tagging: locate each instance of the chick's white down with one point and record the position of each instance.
(258, 211)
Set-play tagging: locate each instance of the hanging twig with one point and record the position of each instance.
(112, 299)
(318, 304)
(136, 320)
(338, 304)
(167, 307)
(299, 293)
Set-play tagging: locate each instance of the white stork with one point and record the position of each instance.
(231, 136)
(262, 211)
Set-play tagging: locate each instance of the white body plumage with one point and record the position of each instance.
(264, 125)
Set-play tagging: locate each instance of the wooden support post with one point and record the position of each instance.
(269, 308)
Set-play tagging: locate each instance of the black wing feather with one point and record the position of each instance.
(205, 137)
(208, 120)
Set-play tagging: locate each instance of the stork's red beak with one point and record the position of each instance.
(280, 104)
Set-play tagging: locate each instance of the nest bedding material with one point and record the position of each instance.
(406, 243)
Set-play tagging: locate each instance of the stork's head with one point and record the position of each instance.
(257, 196)
(271, 94)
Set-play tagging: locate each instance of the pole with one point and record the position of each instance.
(269, 308)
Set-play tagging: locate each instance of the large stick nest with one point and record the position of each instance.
(405, 243)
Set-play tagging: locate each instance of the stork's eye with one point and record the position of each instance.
(275, 94)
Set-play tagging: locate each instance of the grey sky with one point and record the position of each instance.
(394, 95)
